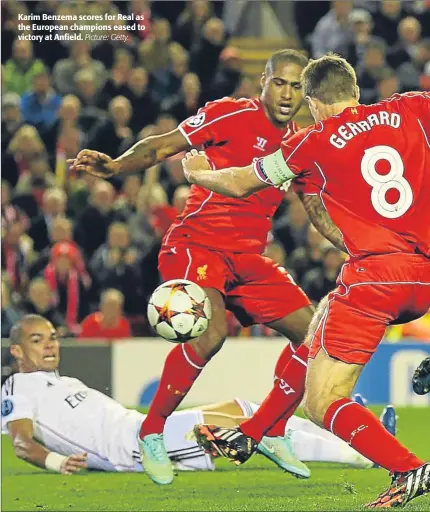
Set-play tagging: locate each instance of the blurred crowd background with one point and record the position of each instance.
(83, 251)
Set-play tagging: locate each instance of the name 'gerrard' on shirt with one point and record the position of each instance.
(348, 131)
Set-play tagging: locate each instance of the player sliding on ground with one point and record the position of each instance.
(369, 166)
(60, 424)
(218, 243)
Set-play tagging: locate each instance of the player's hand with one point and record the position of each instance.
(195, 161)
(95, 163)
(74, 464)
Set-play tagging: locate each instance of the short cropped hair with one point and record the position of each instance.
(285, 56)
(330, 79)
(17, 330)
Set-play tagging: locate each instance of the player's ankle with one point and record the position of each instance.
(249, 430)
(155, 426)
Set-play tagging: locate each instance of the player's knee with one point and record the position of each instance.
(211, 341)
(313, 409)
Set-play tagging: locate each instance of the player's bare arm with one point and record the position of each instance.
(26, 448)
(143, 155)
(320, 218)
(238, 182)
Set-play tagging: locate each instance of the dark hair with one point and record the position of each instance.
(16, 331)
(288, 55)
(330, 79)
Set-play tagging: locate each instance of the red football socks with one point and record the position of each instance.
(181, 369)
(362, 430)
(278, 428)
(284, 359)
(282, 401)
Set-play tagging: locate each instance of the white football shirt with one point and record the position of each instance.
(69, 417)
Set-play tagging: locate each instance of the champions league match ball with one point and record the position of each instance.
(179, 310)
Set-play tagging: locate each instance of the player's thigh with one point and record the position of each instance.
(211, 341)
(327, 380)
(267, 293)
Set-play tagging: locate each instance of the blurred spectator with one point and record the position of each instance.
(187, 101)
(38, 179)
(39, 301)
(370, 71)
(161, 213)
(91, 227)
(79, 191)
(228, 76)
(145, 108)
(114, 135)
(246, 88)
(69, 283)
(68, 116)
(53, 207)
(20, 70)
(9, 314)
(417, 330)
(16, 253)
(205, 52)
(386, 20)
(116, 264)
(292, 227)
(141, 8)
(362, 25)
(141, 231)
(409, 34)
(154, 52)
(388, 85)
(65, 70)
(9, 212)
(40, 106)
(24, 146)
(167, 82)
(116, 84)
(110, 322)
(333, 31)
(318, 282)
(125, 204)
(11, 118)
(86, 88)
(190, 23)
(411, 73)
(104, 51)
(61, 231)
(180, 198)
(309, 256)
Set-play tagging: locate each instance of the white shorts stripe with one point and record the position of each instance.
(190, 260)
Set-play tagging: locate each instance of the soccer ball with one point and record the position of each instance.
(179, 310)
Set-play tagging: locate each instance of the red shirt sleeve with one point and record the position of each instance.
(298, 152)
(216, 121)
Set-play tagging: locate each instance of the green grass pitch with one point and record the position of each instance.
(258, 485)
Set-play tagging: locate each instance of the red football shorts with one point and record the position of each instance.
(372, 293)
(256, 290)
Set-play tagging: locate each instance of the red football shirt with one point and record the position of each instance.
(371, 166)
(232, 133)
(92, 327)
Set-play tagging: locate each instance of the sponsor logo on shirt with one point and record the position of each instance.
(261, 143)
(6, 407)
(201, 273)
(196, 120)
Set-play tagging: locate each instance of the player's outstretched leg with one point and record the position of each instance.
(182, 367)
(328, 386)
(421, 378)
